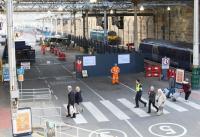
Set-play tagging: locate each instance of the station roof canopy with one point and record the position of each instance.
(80, 5)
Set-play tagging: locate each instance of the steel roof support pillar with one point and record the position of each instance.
(86, 25)
(196, 35)
(74, 20)
(56, 25)
(14, 91)
(135, 29)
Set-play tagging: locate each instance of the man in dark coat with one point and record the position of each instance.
(152, 98)
(71, 101)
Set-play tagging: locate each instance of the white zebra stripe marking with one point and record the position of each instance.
(175, 106)
(115, 110)
(129, 105)
(79, 118)
(190, 103)
(164, 111)
(95, 112)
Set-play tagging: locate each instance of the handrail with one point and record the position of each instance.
(35, 94)
(75, 127)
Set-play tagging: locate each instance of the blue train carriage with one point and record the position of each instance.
(180, 53)
(112, 37)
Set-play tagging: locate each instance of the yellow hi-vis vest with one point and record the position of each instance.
(138, 87)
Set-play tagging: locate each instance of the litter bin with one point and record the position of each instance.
(195, 78)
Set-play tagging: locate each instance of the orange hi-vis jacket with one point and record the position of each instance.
(115, 70)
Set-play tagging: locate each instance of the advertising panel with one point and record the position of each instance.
(22, 124)
(179, 75)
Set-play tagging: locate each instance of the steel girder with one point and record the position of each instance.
(74, 5)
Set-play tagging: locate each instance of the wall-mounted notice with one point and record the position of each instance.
(89, 60)
(123, 59)
(23, 123)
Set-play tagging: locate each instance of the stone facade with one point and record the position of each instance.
(174, 25)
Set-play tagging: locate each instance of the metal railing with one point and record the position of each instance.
(58, 129)
(35, 94)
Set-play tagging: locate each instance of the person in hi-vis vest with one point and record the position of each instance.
(115, 74)
(139, 94)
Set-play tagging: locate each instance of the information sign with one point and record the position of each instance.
(165, 63)
(123, 59)
(89, 60)
(6, 76)
(20, 71)
(25, 65)
(20, 78)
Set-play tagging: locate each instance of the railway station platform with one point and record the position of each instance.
(108, 109)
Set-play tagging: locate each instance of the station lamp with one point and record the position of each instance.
(60, 9)
(168, 8)
(141, 8)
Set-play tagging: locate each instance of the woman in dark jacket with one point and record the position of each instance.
(186, 89)
(78, 99)
(152, 98)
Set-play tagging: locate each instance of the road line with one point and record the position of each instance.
(164, 111)
(129, 105)
(56, 97)
(92, 90)
(115, 110)
(190, 103)
(175, 106)
(79, 117)
(95, 112)
(38, 69)
(137, 132)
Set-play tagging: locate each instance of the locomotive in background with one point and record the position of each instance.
(180, 53)
(112, 37)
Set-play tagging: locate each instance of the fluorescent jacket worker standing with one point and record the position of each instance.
(115, 74)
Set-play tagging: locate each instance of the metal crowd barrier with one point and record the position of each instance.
(35, 94)
(58, 129)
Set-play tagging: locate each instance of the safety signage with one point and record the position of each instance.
(20, 71)
(165, 63)
(20, 78)
(6, 76)
(25, 65)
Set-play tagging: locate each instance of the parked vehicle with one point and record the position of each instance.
(180, 53)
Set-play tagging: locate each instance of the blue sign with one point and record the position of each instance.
(6, 76)
(20, 71)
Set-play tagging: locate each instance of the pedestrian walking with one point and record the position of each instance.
(71, 101)
(152, 98)
(186, 89)
(78, 100)
(139, 94)
(172, 84)
(160, 98)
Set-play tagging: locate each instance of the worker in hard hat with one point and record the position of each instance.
(115, 74)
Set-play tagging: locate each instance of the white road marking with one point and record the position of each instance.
(56, 97)
(190, 103)
(129, 105)
(38, 69)
(92, 90)
(137, 132)
(115, 110)
(95, 112)
(175, 106)
(164, 111)
(79, 117)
